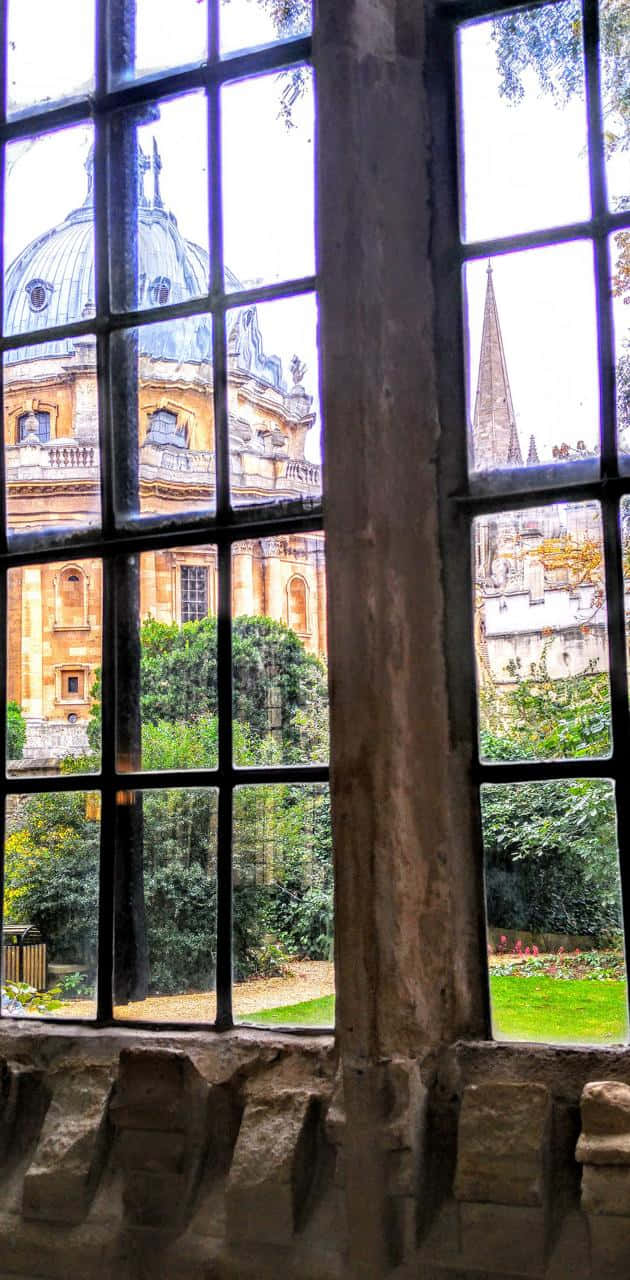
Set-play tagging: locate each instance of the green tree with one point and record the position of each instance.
(550, 848)
(548, 41)
(179, 729)
(16, 731)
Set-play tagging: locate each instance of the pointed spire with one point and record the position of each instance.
(532, 456)
(157, 165)
(495, 437)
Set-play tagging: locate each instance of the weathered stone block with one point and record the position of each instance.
(273, 1165)
(503, 1143)
(606, 1189)
(61, 1180)
(504, 1238)
(571, 1255)
(605, 1107)
(161, 1114)
(154, 1088)
(24, 1098)
(610, 1247)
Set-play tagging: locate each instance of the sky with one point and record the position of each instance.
(525, 167)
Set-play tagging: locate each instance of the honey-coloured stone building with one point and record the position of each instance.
(52, 450)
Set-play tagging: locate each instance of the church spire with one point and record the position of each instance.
(532, 457)
(495, 437)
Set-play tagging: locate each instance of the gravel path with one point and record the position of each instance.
(304, 980)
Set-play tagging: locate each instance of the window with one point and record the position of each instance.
(159, 291)
(37, 294)
(194, 592)
(197, 751)
(541, 489)
(163, 429)
(297, 604)
(34, 424)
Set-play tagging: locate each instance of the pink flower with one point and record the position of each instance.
(577, 951)
(535, 950)
(503, 939)
(560, 951)
(518, 946)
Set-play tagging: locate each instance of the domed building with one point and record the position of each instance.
(53, 479)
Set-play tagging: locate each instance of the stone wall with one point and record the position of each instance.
(131, 1154)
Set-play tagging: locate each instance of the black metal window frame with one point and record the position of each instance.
(119, 541)
(465, 496)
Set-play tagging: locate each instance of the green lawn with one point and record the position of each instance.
(544, 1009)
(556, 1011)
(311, 1013)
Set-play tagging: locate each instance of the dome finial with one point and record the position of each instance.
(157, 166)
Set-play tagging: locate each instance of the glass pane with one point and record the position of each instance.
(553, 902)
(273, 402)
(50, 933)
(283, 906)
(171, 675)
(268, 239)
(620, 257)
(280, 686)
(541, 635)
(533, 390)
(615, 102)
(53, 469)
(50, 51)
(49, 232)
(160, 254)
(54, 645)
(162, 402)
(159, 36)
(171, 895)
(247, 23)
(523, 122)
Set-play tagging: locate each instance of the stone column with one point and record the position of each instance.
(407, 924)
(243, 578)
(32, 643)
(321, 602)
(148, 586)
(272, 549)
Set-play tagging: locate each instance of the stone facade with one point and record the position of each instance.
(52, 438)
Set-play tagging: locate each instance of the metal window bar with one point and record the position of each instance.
(117, 544)
(468, 496)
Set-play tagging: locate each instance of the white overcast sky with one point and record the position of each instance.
(525, 167)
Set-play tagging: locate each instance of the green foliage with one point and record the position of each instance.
(179, 682)
(16, 731)
(550, 848)
(180, 903)
(539, 717)
(301, 902)
(52, 857)
(51, 874)
(551, 857)
(19, 998)
(548, 41)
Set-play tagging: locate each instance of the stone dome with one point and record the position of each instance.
(51, 282)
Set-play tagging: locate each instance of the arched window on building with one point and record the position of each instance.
(71, 597)
(163, 429)
(34, 424)
(297, 604)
